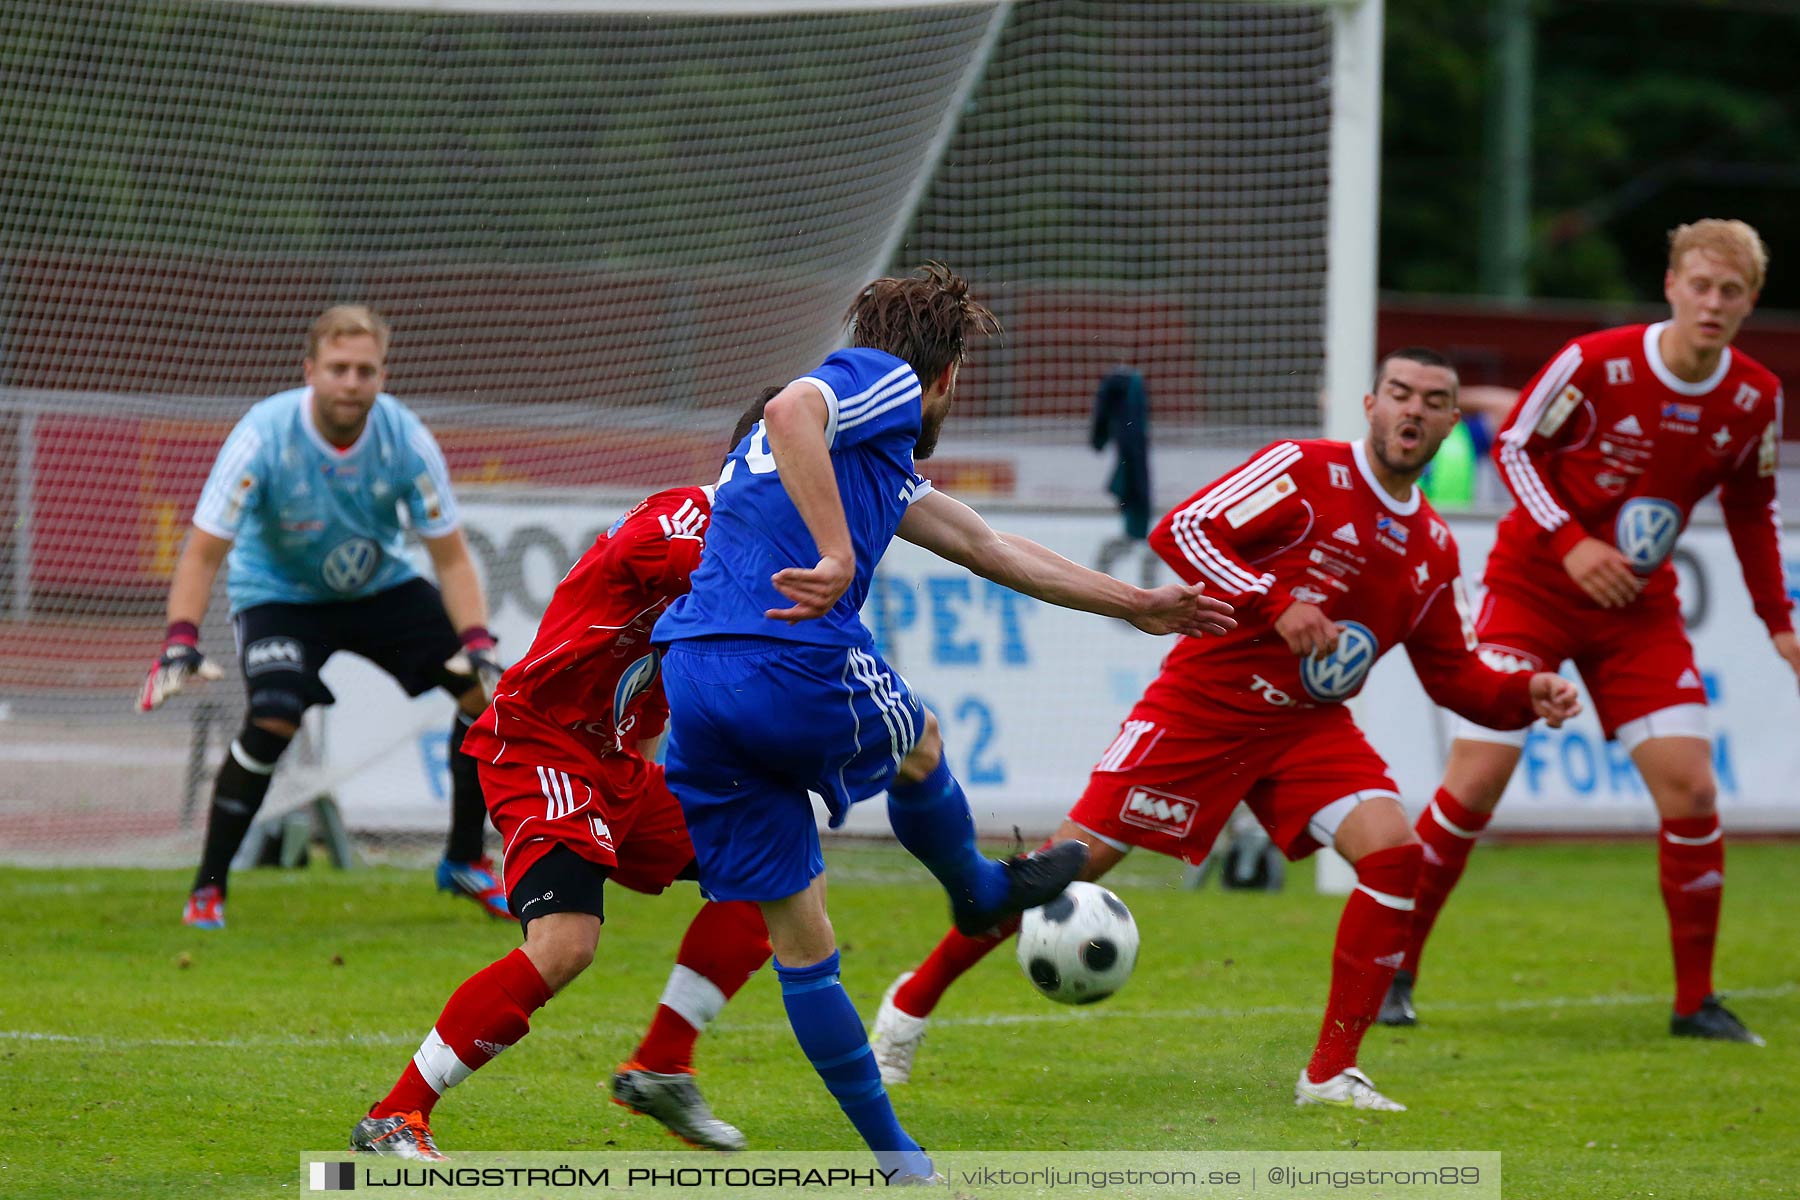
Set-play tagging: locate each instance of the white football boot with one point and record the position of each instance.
(675, 1100)
(896, 1037)
(1346, 1089)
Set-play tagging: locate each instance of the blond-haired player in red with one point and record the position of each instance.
(1607, 452)
(1331, 557)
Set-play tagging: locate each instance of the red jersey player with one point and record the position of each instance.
(563, 758)
(1607, 451)
(1331, 557)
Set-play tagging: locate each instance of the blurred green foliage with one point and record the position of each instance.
(1645, 114)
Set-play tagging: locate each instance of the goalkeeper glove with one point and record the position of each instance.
(477, 660)
(179, 662)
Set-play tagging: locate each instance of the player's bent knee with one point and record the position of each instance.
(1477, 772)
(561, 946)
(1397, 867)
(925, 755)
(800, 946)
(800, 931)
(561, 902)
(281, 729)
(258, 747)
(1675, 758)
(276, 707)
(1103, 853)
(1363, 823)
(1688, 796)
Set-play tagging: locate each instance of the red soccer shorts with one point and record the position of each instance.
(1635, 660)
(1169, 783)
(620, 816)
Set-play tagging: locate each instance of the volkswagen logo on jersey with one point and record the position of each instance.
(350, 565)
(635, 681)
(1645, 531)
(1340, 673)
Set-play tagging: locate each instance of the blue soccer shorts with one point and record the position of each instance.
(754, 726)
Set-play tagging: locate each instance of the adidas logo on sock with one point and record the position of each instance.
(1392, 960)
(489, 1048)
(1432, 856)
(1705, 883)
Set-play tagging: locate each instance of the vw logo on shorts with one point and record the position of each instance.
(1341, 672)
(350, 565)
(1645, 531)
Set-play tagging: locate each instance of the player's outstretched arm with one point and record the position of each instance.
(794, 422)
(457, 579)
(1753, 518)
(189, 594)
(466, 606)
(1443, 649)
(952, 530)
(1788, 646)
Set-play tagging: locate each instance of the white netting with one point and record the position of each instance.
(597, 234)
(1146, 184)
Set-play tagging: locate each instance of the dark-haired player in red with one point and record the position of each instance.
(1331, 557)
(1607, 452)
(564, 754)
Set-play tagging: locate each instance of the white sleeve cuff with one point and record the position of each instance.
(219, 531)
(831, 407)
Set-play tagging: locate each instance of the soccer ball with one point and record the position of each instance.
(1081, 947)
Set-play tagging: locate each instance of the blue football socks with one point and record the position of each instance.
(831, 1034)
(931, 819)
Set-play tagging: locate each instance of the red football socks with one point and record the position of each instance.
(489, 1012)
(1371, 940)
(950, 961)
(725, 944)
(1449, 831)
(1691, 854)
(945, 965)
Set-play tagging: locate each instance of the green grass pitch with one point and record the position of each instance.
(139, 1058)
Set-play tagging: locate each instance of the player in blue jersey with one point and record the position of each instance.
(775, 689)
(310, 496)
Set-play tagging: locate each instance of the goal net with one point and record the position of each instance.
(598, 229)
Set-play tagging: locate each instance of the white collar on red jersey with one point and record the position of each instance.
(1402, 508)
(1668, 378)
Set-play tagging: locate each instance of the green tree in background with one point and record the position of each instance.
(1645, 114)
(212, 128)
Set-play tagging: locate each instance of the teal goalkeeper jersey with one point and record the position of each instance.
(310, 523)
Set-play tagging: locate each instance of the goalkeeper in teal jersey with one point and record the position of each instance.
(310, 496)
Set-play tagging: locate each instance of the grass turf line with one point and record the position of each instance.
(127, 1073)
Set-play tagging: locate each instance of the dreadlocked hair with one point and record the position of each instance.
(925, 319)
